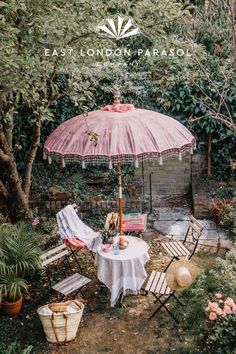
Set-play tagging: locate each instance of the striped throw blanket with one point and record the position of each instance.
(71, 227)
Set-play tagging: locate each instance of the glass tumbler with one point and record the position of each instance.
(116, 249)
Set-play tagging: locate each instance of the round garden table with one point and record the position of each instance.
(123, 273)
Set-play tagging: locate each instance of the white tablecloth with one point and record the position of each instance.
(123, 273)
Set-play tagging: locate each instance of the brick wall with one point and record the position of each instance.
(170, 179)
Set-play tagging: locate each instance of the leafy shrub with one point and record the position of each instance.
(222, 315)
(225, 274)
(15, 348)
(19, 258)
(228, 219)
(226, 192)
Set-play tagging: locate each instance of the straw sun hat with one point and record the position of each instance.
(181, 274)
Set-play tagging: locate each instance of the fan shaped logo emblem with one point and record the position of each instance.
(118, 27)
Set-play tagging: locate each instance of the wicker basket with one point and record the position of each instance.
(58, 307)
(61, 327)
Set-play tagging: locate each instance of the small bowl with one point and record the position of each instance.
(107, 248)
(123, 247)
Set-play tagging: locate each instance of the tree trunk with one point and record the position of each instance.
(209, 155)
(15, 200)
(14, 190)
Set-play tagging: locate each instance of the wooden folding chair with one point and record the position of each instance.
(158, 287)
(177, 249)
(73, 283)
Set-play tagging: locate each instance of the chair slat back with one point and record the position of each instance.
(196, 223)
(195, 228)
(53, 255)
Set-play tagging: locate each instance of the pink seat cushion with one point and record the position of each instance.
(75, 242)
(135, 224)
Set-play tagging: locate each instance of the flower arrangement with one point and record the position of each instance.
(108, 236)
(220, 307)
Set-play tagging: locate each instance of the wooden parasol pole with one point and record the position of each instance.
(120, 201)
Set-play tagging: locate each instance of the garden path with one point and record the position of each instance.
(174, 222)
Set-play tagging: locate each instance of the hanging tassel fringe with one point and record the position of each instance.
(180, 156)
(49, 159)
(110, 165)
(136, 164)
(160, 161)
(83, 165)
(63, 162)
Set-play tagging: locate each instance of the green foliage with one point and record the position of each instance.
(222, 338)
(225, 192)
(16, 348)
(12, 286)
(19, 251)
(225, 274)
(213, 336)
(19, 259)
(228, 219)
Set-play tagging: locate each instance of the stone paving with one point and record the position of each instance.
(173, 222)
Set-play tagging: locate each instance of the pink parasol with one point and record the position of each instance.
(123, 134)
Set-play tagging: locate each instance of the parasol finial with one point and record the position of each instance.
(117, 96)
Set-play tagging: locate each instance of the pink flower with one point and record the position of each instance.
(233, 308)
(229, 302)
(212, 316)
(221, 301)
(218, 295)
(223, 314)
(35, 221)
(213, 306)
(227, 309)
(219, 311)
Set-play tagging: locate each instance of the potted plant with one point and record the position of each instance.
(108, 236)
(19, 259)
(11, 288)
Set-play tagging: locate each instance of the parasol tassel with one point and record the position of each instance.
(83, 165)
(191, 150)
(160, 161)
(49, 159)
(180, 156)
(195, 145)
(63, 162)
(136, 164)
(110, 165)
(44, 155)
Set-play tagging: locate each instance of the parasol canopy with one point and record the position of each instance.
(118, 134)
(123, 136)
